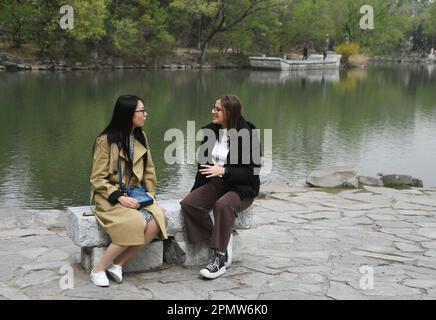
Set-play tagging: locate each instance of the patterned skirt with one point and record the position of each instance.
(147, 215)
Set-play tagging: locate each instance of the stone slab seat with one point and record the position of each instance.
(86, 233)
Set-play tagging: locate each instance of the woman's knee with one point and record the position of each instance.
(186, 204)
(156, 229)
(223, 206)
(152, 227)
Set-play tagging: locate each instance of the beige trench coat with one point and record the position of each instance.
(124, 225)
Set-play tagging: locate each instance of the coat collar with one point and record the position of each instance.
(140, 150)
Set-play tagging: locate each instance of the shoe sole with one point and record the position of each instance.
(229, 256)
(99, 285)
(114, 277)
(215, 275)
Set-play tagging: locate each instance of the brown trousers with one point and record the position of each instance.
(225, 204)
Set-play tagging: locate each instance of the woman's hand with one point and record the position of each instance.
(128, 202)
(211, 171)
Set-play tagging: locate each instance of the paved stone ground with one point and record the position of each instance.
(306, 244)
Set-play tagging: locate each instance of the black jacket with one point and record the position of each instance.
(241, 177)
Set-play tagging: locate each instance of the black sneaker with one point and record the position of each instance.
(215, 268)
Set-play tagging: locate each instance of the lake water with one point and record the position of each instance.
(378, 120)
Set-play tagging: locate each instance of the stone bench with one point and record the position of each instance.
(86, 233)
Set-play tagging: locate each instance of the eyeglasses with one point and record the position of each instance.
(214, 109)
(142, 110)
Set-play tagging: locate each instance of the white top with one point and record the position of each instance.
(220, 149)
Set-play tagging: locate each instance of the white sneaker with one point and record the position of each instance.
(99, 278)
(115, 272)
(229, 253)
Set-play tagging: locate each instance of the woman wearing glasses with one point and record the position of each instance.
(130, 229)
(227, 182)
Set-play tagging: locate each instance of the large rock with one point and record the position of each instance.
(333, 177)
(370, 181)
(244, 220)
(400, 180)
(179, 251)
(85, 231)
(173, 213)
(151, 257)
(351, 183)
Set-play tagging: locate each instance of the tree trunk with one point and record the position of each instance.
(203, 52)
(17, 39)
(205, 45)
(348, 30)
(199, 32)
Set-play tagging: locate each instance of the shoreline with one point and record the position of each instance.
(179, 61)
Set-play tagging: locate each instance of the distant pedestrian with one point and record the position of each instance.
(324, 53)
(305, 52)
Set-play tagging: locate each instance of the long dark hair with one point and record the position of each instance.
(120, 126)
(232, 109)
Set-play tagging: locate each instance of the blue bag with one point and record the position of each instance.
(139, 193)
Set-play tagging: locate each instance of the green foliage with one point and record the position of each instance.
(220, 20)
(89, 17)
(347, 50)
(126, 37)
(139, 29)
(429, 23)
(258, 33)
(149, 29)
(15, 17)
(309, 22)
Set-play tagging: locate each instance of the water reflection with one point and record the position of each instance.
(306, 76)
(380, 119)
(431, 69)
(352, 78)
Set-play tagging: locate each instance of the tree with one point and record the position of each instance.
(391, 24)
(89, 18)
(218, 16)
(46, 33)
(15, 18)
(139, 28)
(309, 22)
(259, 33)
(429, 24)
(126, 37)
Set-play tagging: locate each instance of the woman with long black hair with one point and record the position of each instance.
(227, 182)
(123, 145)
